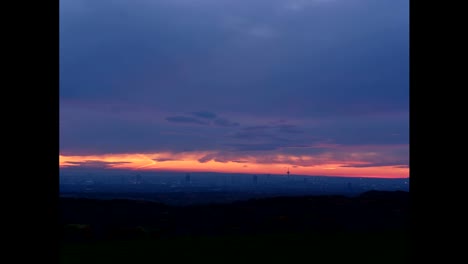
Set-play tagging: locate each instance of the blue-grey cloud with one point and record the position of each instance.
(259, 136)
(163, 159)
(290, 129)
(256, 128)
(206, 158)
(225, 122)
(279, 134)
(253, 147)
(186, 119)
(203, 114)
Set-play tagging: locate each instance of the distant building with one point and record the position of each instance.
(138, 179)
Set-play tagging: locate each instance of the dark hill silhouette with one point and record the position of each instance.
(86, 219)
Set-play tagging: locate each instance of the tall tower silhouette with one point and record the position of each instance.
(288, 172)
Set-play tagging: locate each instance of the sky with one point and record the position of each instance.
(319, 87)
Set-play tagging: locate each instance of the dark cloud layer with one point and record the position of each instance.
(341, 58)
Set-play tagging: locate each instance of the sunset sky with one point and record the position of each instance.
(317, 86)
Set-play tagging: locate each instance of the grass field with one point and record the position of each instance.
(383, 247)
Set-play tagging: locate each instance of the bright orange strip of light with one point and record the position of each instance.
(188, 162)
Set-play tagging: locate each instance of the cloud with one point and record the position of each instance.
(352, 158)
(186, 119)
(203, 114)
(164, 159)
(279, 126)
(315, 155)
(206, 158)
(87, 130)
(257, 128)
(278, 122)
(254, 147)
(396, 164)
(97, 164)
(225, 122)
(272, 134)
(294, 6)
(262, 31)
(302, 72)
(290, 129)
(253, 133)
(239, 161)
(260, 136)
(298, 5)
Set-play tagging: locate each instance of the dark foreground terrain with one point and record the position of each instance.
(371, 228)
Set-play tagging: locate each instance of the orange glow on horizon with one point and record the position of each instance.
(188, 162)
